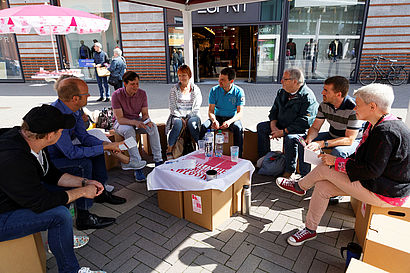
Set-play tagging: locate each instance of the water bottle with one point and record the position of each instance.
(209, 143)
(246, 199)
(219, 144)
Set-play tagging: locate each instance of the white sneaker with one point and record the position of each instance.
(87, 270)
(134, 165)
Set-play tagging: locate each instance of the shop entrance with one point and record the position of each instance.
(218, 47)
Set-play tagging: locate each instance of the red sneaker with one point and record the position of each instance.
(289, 185)
(301, 236)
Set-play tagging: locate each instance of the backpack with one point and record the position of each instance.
(273, 164)
(105, 118)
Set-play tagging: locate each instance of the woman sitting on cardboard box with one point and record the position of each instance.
(185, 99)
(377, 174)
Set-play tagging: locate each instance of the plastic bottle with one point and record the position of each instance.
(219, 144)
(209, 143)
(246, 199)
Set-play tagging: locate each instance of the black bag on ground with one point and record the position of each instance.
(273, 164)
(105, 118)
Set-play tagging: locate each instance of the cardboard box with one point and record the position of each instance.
(171, 202)
(237, 190)
(364, 214)
(250, 146)
(387, 244)
(228, 142)
(23, 255)
(111, 161)
(355, 204)
(208, 208)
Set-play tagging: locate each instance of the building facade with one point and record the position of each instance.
(259, 40)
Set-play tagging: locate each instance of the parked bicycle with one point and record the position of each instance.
(395, 74)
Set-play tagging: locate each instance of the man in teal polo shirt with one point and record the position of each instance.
(226, 102)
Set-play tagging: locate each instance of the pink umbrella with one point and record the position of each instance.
(49, 20)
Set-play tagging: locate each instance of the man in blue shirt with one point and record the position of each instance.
(86, 159)
(226, 102)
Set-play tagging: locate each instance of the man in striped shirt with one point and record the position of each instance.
(345, 130)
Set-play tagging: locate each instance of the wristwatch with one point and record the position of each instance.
(84, 182)
(326, 143)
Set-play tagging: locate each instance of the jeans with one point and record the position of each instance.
(235, 127)
(264, 131)
(22, 222)
(193, 124)
(130, 131)
(329, 183)
(290, 146)
(90, 168)
(338, 151)
(100, 81)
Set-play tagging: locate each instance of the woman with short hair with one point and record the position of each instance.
(117, 68)
(185, 99)
(377, 173)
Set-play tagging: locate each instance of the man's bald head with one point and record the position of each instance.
(70, 87)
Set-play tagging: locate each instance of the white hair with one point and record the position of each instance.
(98, 44)
(117, 51)
(296, 73)
(381, 94)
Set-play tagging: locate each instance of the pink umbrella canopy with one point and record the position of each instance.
(48, 20)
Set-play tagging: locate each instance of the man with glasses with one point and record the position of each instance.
(85, 159)
(292, 114)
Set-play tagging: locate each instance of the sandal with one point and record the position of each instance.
(170, 156)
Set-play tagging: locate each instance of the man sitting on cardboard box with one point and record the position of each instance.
(377, 173)
(130, 106)
(85, 159)
(226, 102)
(292, 113)
(27, 205)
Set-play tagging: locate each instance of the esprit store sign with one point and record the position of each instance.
(231, 8)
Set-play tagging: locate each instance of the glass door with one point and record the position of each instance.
(268, 53)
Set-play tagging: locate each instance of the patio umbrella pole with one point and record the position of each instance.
(54, 52)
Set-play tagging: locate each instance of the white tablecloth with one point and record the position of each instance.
(161, 178)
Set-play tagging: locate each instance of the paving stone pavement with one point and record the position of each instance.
(147, 239)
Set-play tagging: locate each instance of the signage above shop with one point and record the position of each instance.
(231, 14)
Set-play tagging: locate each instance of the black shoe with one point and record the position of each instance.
(107, 100)
(100, 99)
(334, 200)
(92, 221)
(109, 198)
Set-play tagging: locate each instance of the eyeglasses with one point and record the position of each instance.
(86, 94)
(289, 79)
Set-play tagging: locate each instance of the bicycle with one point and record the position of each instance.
(395, 74)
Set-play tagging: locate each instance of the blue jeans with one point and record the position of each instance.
(22, 222)
(290, 146)
(193, 124)
(338, 151)
(235, 127)
(90, 168)
(264, 131)
(100, 81)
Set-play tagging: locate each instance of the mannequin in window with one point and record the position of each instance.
(84, 51)
(335, 53)
(291, 52)
(309, 55)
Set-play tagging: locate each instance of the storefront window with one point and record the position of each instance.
(9, 58)
(76, 48)
(176, 50)
(268, 53)
(271, 10)
(323, 37)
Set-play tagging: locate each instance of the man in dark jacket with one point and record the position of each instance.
(291, 115)
(26, 204)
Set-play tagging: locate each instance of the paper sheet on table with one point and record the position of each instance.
(129, 143)
(311, 157)
(180, 164)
